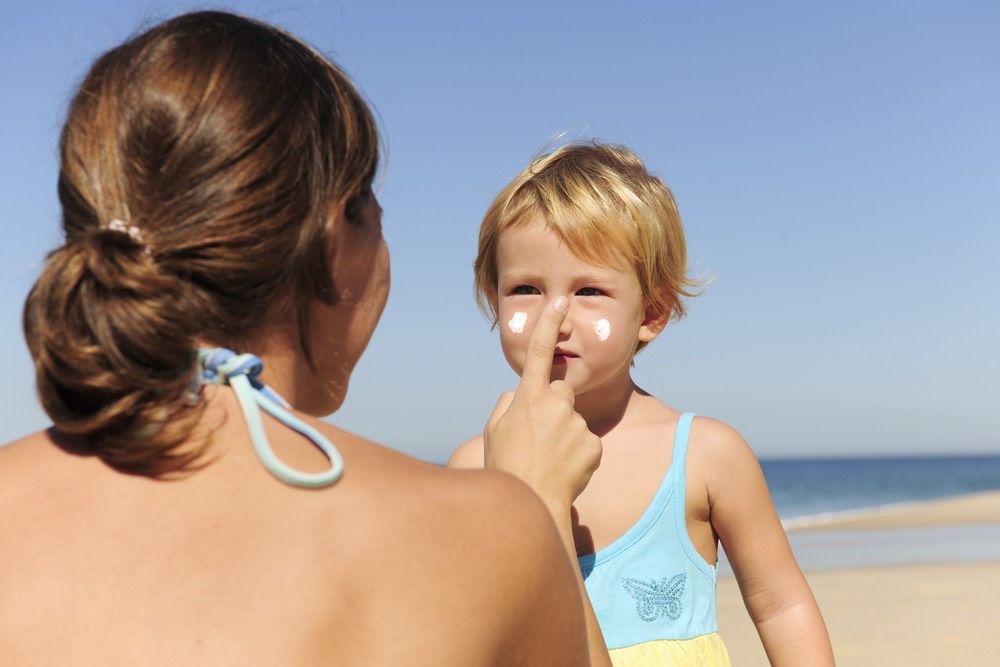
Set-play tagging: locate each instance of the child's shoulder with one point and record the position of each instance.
(719, 450)
(469, 454)
(652, 415)
(713, 446)
(715, 433)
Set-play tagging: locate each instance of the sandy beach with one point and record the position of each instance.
(927, 592)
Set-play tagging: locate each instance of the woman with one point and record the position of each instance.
(216, 190)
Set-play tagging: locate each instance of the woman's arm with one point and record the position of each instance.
(508, 590)
(775, 592)
(535, 435)
(470, 455)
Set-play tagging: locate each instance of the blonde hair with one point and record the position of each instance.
(608, 210)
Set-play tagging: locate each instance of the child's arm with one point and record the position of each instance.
(468, 455)
(774, 590)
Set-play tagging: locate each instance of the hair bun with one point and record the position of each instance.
(111, 336)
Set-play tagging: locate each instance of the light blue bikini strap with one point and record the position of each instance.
(241, 372)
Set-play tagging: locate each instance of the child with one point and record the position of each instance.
(590, 223)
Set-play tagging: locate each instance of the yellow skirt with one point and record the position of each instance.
(704, 651)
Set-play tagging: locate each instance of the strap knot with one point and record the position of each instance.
(219, 365)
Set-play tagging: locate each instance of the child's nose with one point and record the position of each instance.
(567, 324)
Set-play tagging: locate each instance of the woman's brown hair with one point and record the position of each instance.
(228, 145)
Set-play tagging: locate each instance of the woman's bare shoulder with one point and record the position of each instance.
(16, 449)
(392, 534)
(459, 537)
(446, 499)
(34, 456)
(383, 493)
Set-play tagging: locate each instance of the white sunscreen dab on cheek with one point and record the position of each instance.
(603, 329)
(516, 323)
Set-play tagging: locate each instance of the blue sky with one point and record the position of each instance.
(837, 167)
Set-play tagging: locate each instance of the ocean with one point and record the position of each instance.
(811, 487)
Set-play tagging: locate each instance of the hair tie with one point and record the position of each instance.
(123, 227)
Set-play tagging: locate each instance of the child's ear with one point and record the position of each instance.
(653, 322)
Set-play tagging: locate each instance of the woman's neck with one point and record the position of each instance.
(287, 372)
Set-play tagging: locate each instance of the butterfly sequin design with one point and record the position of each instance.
(657, 598)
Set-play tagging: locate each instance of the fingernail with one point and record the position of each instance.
(560, 304)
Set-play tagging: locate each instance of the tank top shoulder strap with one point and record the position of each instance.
(678, 463)
(678, 469)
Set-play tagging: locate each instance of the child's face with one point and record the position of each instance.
(607, 315)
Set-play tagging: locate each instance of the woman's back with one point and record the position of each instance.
(398, 563)
(216, 188)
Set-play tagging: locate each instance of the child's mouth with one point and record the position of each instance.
(561, 356)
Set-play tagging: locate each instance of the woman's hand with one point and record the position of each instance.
(534, 433)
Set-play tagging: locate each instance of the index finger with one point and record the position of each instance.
(542, 345)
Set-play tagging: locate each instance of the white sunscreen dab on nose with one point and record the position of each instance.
(603, 329)
(516, 323)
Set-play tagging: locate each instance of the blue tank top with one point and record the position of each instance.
(651, 583)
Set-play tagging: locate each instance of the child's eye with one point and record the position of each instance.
(589, 291)
(524, 289)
